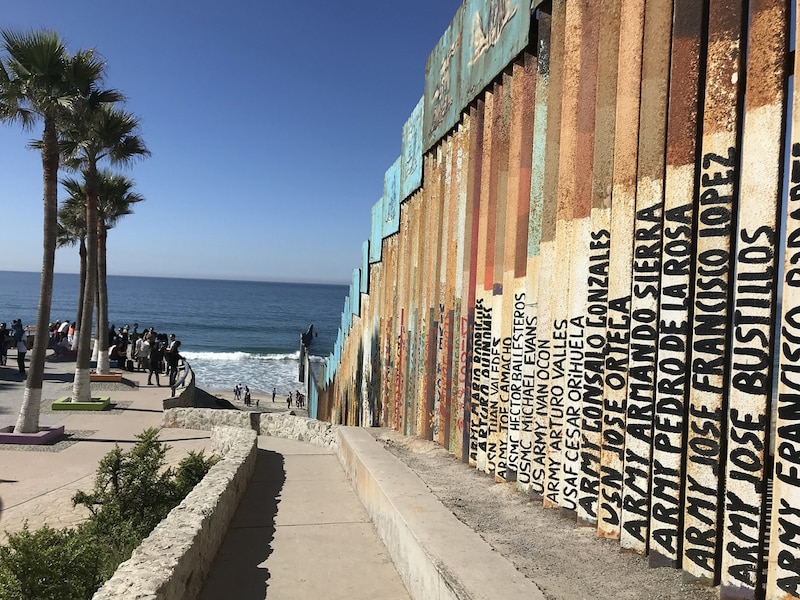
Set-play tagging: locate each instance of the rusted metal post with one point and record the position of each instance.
(612, 447)
(783, 577)
(596, 301)
(535, 439)
(548, 281)
(715, 207)
(644, 297)
(750, 387)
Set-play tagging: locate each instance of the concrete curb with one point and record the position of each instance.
(437, 556)
(174, 560)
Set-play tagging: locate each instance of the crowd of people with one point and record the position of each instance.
(242, 394)
(144, 351)
(149, 351)
(14, 337)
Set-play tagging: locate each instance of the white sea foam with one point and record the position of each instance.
(221, 371)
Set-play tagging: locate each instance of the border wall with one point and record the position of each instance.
(582, 275)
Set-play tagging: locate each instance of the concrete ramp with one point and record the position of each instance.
(437, 556)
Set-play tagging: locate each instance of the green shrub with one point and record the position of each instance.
(133, 492)
(191, 471)
(50, 564)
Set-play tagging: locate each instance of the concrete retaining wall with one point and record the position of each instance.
(174, 560)
(283, 425)
(436, 554)
(311, 431)
(207, 418)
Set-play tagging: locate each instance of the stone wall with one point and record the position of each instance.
(207, 418)
(311, 431)
(283, 425)
(174, 560)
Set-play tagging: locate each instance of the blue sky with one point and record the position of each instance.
(271, 125)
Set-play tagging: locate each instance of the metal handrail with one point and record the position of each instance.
(187, 369)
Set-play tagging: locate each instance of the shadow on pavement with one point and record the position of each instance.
(248, 543)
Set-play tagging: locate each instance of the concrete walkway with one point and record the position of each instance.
(301, 532)
(37, 482)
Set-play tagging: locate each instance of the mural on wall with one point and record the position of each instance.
(376, 237)
(411, 165)
(391, 199)
(441, 108)
(482, 39)
(494, 32)
(581, 295)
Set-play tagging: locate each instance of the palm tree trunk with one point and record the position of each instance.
(28, 419)
(82, 291)
(102, 300)
(81, 389)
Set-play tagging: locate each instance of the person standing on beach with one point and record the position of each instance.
(4, 349)
(289, 400)
(247, 396)
(19, 332)
(273, 394)
(173, 358)
(156, 355)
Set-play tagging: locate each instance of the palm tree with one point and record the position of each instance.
(72, 231)
(114, 202)
(39, 82)
(98, 133)
(115, 198)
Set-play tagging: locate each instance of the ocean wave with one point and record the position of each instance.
(239, 356)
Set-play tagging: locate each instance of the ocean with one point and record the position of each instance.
(231, 332)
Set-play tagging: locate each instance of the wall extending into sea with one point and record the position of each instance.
(582, 276)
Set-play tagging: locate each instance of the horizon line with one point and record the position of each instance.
(293, 282)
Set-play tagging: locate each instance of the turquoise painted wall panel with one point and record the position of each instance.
(411, 166)
(494, 32)
(441, 84)
(391, 199)
(483, 38)
(376, 236)
(355, 292)
(365, 267)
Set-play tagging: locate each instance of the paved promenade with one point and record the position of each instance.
(37, 483)
(298, 527)
(301, 532)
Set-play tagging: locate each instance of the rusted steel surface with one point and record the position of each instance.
(591, 19)
(623, 186)
(783, 578)
(477, 314)
(463, 290)
(482, 329)
(754, 304)
(595, 236)
(596, 301)
(549, 281)
(560, 492)
(520, 393)
(444, 347)
(498, 411)
(715, 206)
(535, 438)
(482, 39)
(644, 299)
(675, 302)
